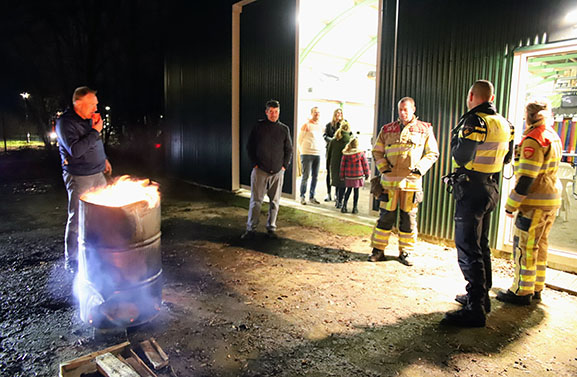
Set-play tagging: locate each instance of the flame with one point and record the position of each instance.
(124, 191)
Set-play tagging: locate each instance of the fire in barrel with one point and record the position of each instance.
(119, 281)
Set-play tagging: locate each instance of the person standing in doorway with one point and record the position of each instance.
(270, 151)
(330, 130)
(481, 144)
(334, 155)
(310, 146)
(84, 162)
(536, 197)
(405, 150)
(354, 170)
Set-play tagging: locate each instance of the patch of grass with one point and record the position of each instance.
(21, 144)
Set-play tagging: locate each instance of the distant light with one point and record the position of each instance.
(58, 113)
(107, 108)
(161, 116)
(53, 136)
(25, 95)
(157, 145)
(571, 17)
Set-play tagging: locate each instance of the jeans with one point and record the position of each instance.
(76, 185)
(262, 183)
(310, 164)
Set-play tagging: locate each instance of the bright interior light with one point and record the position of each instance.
(571, 17)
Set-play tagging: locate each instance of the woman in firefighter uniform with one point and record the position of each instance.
(536, 197)
(482, 143)
(405, 150)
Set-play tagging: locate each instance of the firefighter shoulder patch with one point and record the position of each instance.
(528, 152)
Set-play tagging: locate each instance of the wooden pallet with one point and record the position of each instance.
(87, 364)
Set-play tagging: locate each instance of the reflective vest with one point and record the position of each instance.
(493, 140)
(538, 157)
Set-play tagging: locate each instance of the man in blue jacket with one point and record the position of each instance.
(270, 151)
(84, 162)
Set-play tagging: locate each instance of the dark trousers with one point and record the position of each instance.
(472, 221)
(355, 196)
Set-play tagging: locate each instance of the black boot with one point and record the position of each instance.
(338, 204)
(377, 256)
(344, 208)
(355, 210)
(469, 316)
(511, 298)
(464, 300)
(404, 259)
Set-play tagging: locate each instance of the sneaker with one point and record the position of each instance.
(464, 300)
(537, 295)
(511, 298)
(248, 235)
(328, 198)
(465, 317)
(271, 233)
(314, 201)
(404, 259)
(377, 255)
(303, 201)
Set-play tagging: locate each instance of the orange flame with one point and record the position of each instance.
(125, 191)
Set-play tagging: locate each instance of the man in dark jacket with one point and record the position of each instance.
(84, 162)
(270, 152)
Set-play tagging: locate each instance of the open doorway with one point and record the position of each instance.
(338, 47)
(550, 71)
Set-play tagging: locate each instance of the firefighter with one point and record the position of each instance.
(405, 150)
(482, 143)
(536, 197)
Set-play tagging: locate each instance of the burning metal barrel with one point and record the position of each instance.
(119, 281)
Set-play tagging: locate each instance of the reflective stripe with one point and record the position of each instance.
(491, 152)
(407, 241)
(380, 238)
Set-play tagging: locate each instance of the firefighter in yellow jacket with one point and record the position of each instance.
(482, 143)
(537, 196)
(405, 150)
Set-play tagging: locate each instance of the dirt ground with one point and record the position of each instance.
(307, 304)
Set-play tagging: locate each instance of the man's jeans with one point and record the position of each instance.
(262, 183)
(309, 163)
(76, 185)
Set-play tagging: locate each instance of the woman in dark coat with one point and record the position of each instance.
(330, 130)
(334, 154)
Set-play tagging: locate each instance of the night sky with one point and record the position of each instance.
(51, 47)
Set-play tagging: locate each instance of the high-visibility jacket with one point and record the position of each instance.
(493, 135)
(404, 154)
(537, 157)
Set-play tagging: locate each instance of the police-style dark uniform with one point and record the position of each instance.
(482, 143)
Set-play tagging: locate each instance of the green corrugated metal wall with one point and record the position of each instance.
(267, 70)
(443, 47)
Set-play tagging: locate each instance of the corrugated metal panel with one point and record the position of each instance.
(443, 47)
(198, 87)
(267, 70)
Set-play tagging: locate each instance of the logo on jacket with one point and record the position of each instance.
(528, 152)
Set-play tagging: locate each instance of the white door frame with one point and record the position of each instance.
(235, 108)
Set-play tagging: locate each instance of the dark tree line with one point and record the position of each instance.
(51, 47)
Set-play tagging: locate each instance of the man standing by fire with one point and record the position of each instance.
(84, 162)
(482, 143)
(405, 150)
(270, 151)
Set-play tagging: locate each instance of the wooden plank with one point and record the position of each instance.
(110, 366)
(159, 349)
(153, 356)
(132, 355)
(137, 367)
(73, 364)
